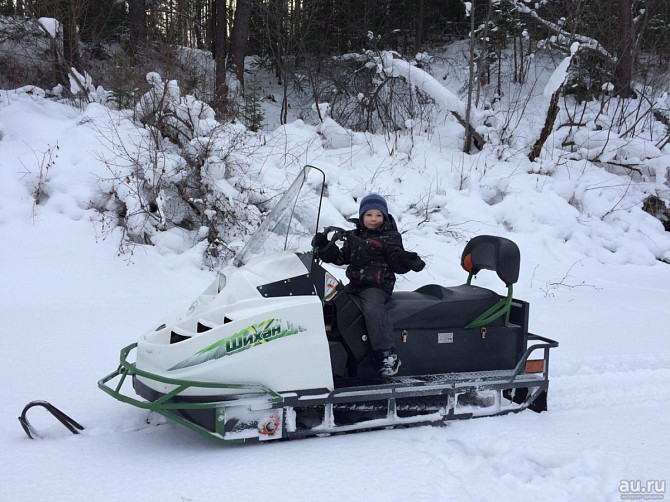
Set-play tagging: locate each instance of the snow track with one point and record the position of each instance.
(613, 381)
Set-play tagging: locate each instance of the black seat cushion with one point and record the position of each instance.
(437, 307)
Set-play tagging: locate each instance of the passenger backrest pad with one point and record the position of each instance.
(492, 253)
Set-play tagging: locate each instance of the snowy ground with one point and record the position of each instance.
(68, 303)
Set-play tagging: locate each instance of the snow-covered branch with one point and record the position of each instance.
(551, 93)
(396, 67)
(565, 37)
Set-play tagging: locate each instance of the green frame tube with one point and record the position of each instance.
(162, 405)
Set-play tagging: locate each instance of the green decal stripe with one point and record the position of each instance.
(249, 330)
(247, 338)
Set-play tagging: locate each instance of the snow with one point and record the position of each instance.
(50, 25)
(468, 8)
(591, 270)
(334, 134)
(560, 73)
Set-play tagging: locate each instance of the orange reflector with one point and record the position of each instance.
(467, 263)
(535, 366)
(269, 426)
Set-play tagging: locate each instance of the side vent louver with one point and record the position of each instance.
(202, 328)
(176, 337)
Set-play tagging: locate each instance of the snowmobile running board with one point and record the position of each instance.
(257, 413)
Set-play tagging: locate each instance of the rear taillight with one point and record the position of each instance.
(535, 366)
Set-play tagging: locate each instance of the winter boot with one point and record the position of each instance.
(388, 362)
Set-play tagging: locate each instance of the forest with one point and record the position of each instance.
(395, 68)
(117, 42)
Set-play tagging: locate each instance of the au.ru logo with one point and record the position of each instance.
(636, 489)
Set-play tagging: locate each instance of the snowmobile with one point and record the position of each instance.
(275, 348)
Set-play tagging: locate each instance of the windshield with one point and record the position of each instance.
(292, 223)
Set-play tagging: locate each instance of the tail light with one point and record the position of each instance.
(535, 366)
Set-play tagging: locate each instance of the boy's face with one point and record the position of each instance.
(373, 218)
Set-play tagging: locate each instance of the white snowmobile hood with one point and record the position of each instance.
(234, 334)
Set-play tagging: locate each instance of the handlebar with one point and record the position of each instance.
(338, 234)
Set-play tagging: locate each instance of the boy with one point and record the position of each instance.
(374, 253)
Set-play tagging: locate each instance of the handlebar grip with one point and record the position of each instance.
(338, 233)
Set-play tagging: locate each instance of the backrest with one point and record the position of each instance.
(492, 253)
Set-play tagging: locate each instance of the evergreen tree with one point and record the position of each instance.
(253, 111)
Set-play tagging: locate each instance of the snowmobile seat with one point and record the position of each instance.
(437, 307)
(434, 307)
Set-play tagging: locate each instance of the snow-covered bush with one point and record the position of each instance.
(177, 183)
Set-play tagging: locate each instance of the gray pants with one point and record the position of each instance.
(379, 327)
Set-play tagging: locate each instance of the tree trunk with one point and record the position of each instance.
(552, 113)
(238, 40)
(484, 47)
(418, 41)
(197, 26)
(152, 22)
(137, 24)
(220, 53)
(468, 130)
(183, 14)
(211, 26)
(624, 67)
(67, 15)
(277, 36)
(71, 11)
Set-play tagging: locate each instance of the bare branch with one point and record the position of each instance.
(565, 37)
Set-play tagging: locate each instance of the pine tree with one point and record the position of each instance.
(253, 111)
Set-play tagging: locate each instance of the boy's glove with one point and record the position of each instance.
(320, 241)
(413, 262)
(324, 249)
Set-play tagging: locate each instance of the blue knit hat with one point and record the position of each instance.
(373, 201)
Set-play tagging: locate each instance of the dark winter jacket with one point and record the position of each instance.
(374, 256)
